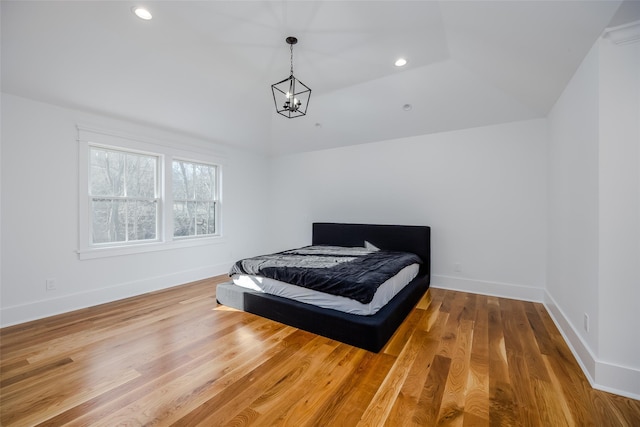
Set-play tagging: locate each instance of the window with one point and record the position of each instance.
(123, 191)
(138, 196)
(194, 199)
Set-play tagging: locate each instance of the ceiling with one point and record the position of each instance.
(204, 68)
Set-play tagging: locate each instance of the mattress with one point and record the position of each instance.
(383, 295)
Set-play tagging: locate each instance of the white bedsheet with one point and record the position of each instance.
(383, 295)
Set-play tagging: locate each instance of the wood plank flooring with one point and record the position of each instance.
(176, 358)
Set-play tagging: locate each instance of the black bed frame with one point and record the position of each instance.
(368, 332)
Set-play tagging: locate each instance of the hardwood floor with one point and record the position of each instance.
(176, 358)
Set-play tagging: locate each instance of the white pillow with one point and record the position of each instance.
(370, 246)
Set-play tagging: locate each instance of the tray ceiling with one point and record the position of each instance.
(205, 68)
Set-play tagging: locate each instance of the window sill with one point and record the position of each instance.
(111, 251)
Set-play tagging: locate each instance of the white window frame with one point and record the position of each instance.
(166, 153)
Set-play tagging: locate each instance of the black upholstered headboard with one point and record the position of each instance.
(408, 238)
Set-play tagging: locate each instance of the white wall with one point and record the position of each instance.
(594, 215)
(572, 256)
(481, 190)
(619, 188)
(40, 217)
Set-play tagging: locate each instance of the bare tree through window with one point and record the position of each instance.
(123, 191)
(194, 199)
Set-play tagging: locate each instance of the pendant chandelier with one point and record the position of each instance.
(291, 96)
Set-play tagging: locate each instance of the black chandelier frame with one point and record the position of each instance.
(291, 96)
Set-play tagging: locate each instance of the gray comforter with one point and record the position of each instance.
(349, 272)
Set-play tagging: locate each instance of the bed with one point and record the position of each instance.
(370, 332)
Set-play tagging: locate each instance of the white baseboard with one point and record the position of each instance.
(497, 289)
(617, 379)
(581, 351)
(52, 306)
(602, 375)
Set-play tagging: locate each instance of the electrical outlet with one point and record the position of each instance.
(586, 322)
(51, 285)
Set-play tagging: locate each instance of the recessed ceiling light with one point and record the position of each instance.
(400, 62)
(142, 13)
(407, 107)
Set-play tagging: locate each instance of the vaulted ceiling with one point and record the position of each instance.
(204, 68)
